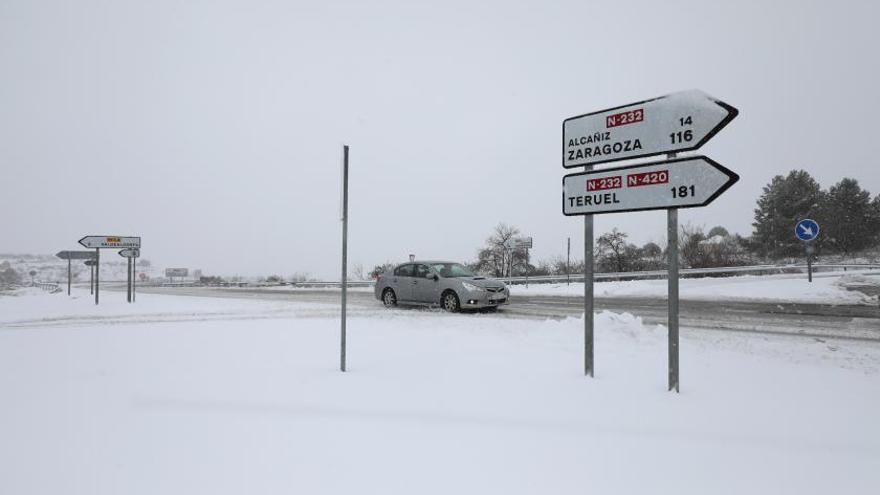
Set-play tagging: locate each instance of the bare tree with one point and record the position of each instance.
(615, 254)
(496, 259)
(380, 269)
(358, 271)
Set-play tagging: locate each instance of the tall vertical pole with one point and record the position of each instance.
(97, 273)
(68, 276)
(568, 263)
(344, 252)
(672, 279)
(809, 250)
(134, 263)
(128, 280)
(589, 365)
(91, 279)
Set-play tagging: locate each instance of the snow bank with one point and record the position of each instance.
(825, 289)
(244, 397)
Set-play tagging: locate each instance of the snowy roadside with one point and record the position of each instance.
(433, 403)
(825, 289)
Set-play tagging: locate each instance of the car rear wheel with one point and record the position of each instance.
(389, 298)
(450, 302)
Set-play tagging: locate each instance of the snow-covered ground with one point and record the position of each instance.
(206, 395)
(826, 288)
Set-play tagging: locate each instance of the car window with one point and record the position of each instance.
(422, 271)
(404, 271)
(451, 270)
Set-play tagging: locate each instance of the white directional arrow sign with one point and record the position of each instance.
(109, 241)
(681, 183)
(130, 253)
(677, 122)
(76, 255)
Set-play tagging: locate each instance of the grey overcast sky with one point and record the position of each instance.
(213, 129)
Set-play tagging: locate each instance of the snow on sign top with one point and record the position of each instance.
(109, 241)
(807, 229)
(681, 121)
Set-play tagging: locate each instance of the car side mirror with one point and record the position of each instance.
(432, 276)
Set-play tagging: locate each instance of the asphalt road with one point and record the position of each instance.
(818, 321)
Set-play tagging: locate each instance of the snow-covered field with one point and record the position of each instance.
(826, 288)
(185, 395)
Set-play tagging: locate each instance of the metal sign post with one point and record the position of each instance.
(674, 123)
(344, 253)
(809, 252)
(128, 281)
(70, 256)
(97, 273)
(91, 265)
(131, 255)
(133, 277)
(672, 295)
(589, 366)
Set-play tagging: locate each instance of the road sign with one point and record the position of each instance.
(76, 255)
(679, 183)
(130, 253)
(176, 272)
(90, 263)
(108, 242)
(807, 230)
(524, 243)
(511, 244)
(681, 121)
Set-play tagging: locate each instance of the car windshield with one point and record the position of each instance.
(451, 270)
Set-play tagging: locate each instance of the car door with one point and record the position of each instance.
(402, 282)
(425, 290)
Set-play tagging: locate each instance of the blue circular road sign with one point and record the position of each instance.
(806, 229)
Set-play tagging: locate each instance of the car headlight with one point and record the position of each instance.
(472, 287)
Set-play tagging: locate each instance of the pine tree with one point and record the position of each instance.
(784, 202)
(718, 230)
(848, 219)
(875, 219)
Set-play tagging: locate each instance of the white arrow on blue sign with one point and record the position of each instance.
(807, 230)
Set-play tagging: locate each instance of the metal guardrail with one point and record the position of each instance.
(48, 286)
(753, 269)
(549, 279)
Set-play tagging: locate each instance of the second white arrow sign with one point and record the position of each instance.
(680, 183)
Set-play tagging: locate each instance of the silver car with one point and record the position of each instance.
(448, 284)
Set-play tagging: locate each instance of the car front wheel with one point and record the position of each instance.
(389, 298)
(450, 302)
